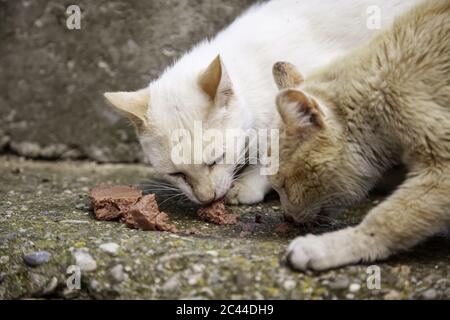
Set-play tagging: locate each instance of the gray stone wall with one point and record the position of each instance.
(52, 78)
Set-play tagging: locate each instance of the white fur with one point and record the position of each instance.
(306, 33)
(334, 249)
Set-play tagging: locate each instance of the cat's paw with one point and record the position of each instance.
(241, 193)
(307, 253)
(250, 189)
(318, 253)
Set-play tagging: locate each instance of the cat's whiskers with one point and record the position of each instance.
(172, 197)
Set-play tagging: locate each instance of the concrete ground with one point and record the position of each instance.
(44, 207)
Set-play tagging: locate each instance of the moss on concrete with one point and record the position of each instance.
(43, 206)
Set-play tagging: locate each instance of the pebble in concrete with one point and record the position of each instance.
(85, 261)
(117, 273)
(111, 248)
(37, 258)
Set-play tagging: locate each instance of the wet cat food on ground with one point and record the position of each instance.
(110, 202)
(129, 205)
(218, 214)
(145, 215)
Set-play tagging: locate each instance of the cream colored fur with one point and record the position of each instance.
(386, 102)
(307, 33)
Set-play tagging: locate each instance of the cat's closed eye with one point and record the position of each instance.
(178, 175)
(218, 160)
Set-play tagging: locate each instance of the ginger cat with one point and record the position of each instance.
(384, 103)
(225, 83)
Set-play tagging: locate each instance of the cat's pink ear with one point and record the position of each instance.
(286, 75)
(298, 111)
(134, 105)
(216, 83)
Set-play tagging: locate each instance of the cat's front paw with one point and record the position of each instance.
(318, 253)
(249, 189)
(240, 193)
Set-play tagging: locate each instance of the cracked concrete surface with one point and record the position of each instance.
(44, 207)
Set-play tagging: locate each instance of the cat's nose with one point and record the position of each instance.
(207, 198)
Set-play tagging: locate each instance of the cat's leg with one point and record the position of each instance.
(250, 188)
(419, 209)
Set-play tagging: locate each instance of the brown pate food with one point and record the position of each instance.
(218, 214)
(129, 205)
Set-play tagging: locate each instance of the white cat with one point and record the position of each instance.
(227, 83)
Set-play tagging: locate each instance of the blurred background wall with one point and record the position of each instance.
(52, 78)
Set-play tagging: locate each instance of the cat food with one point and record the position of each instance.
(145, 215)
(282, 228)
(130, 206)
(110, 202)
(218, 214)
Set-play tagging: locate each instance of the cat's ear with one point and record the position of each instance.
(286, 75)
(133, 104)
(298, 111)
(216, 83)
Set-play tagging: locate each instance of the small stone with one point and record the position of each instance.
(71, 221)
(207, 291)
(94, 285)
(194, 279)
(117, 273)
(258, 296)
(212, 253)
(80, 206)
(36, 283)
(393, 295)
(111, 248)
(169, 52)
(4, 259)
(38, 23)
(429, 294)
(37, 258)
(51, 286)
(198, 268)
(9, 237)
(2, 276)
(289, 284)
(85, 261)
(128, 269)
(171, 284)
(354, 287)
(340, 283)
